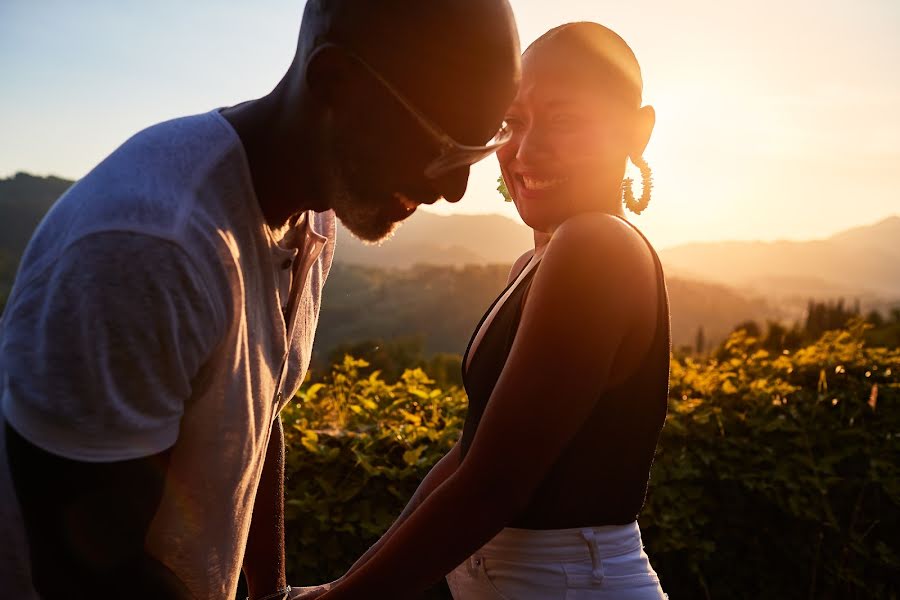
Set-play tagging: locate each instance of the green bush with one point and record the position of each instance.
(776, 476)
(357, 448)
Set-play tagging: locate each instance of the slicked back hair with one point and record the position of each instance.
(601, 52)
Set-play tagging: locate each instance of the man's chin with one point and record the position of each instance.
(370, 222)
(370, 232)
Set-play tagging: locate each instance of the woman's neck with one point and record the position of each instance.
(541, 239)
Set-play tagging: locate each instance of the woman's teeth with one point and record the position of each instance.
(541, 184)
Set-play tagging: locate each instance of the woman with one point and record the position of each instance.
(567, 375)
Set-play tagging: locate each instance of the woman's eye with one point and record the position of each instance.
(565, 121)
(511, 123)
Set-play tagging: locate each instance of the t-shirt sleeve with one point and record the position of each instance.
(101, 351)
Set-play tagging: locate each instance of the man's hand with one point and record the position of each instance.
(264, 557)
(86, 523)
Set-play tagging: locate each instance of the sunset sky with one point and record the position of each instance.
(776, 119)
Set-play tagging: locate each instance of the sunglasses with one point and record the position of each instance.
(452, 155)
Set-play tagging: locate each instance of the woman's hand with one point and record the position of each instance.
(310, 592)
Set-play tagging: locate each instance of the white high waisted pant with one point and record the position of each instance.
(588, 563)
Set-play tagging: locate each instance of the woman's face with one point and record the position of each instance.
(570, 142)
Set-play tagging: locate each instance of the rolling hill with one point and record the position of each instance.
(440, 305)
(379, 292)
(858, 262)
(23, 201)
(427, 238)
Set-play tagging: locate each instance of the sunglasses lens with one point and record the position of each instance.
(501, 137)
(465, 156)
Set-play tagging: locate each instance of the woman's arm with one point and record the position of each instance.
(443, 469)
(579, 311)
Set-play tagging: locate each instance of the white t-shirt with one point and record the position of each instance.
(150, 312)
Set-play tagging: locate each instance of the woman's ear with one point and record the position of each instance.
(643, 128)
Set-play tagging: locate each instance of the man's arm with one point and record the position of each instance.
(264, 556)
(99, 357)
(86, 523)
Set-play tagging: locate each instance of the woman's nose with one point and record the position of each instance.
(533, 147)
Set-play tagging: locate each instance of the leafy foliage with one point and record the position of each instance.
(776, 476)
(822, 317)
(357, 449)
(394, 356)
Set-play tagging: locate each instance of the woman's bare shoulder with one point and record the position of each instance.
(601, 237)
(594, 251)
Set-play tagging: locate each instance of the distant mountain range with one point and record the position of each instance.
(713, 285)
(427, 238)
(858, 262)
(864, 261)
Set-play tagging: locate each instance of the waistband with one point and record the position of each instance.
(560, 544)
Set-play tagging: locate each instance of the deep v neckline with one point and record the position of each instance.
(527, 271)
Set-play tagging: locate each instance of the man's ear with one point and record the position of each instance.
(329, 75)
(643, 128)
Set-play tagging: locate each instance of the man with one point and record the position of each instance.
(165, 308)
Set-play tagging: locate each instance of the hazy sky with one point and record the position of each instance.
(776, 119)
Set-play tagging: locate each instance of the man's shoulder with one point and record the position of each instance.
(151, 182)
(159, 176)
(168, 182)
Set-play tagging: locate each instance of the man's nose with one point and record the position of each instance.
(452, 185)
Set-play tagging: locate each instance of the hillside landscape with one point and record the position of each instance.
(861, 262)
(436, 276)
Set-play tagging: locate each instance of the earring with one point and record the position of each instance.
(638, 206)
(504, 191)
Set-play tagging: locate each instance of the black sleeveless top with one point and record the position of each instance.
(601, 476)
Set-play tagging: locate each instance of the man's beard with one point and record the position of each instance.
(364, 214)
(364, 219)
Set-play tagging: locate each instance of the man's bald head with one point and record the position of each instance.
(446, 56)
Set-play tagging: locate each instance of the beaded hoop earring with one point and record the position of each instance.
(638, 206)
(504, 191)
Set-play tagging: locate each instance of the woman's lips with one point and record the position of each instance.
(540, 184)
(533, 186)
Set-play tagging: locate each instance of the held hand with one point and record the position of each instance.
(307, 593)
(310, 592)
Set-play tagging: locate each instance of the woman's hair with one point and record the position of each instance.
(601, 52)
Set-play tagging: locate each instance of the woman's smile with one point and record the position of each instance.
(533, 183)
(537, 186)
